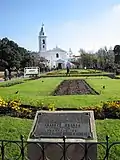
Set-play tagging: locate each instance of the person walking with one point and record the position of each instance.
(68, 69)
(9, 74)
(6, 74)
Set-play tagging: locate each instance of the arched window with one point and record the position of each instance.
(43, 41)
(43, 46)
(57, 55)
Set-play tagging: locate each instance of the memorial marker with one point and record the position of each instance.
(59, 124)
(51, 126)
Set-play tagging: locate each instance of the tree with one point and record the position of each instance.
(9, 52)
(13, 55)
(88, 59)
(117, 54)
(105, 58)
(102, 59)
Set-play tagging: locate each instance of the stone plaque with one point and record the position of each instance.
(59, 124)
(48, 130)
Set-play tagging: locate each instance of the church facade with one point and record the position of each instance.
(57, 57)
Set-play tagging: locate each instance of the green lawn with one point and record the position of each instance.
(12, 128)
(36, 91)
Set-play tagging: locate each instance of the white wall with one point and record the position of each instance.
(51, 56)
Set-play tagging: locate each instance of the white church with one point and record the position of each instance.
(57, 57)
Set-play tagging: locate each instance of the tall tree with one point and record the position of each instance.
(9, 52)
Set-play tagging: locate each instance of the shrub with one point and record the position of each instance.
(11, 83)
(112, 109)
(74, 72)
(13, 108)
(90, 72)
(98, 112)
(52, 73)
(51, 107)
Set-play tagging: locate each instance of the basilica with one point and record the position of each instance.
(56, 57)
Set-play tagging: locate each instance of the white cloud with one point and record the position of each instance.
(116, 8)
(101, 31)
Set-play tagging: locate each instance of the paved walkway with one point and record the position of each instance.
(1, 79)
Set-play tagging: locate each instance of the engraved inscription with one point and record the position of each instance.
(60, 124)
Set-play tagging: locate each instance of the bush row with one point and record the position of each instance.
(17, 81)
(11, 83)
(76, 75)
(73, 72)
(15, 108)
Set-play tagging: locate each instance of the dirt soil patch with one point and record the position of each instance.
(74, 87)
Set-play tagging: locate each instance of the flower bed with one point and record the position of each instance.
(14, 108)
(73, 87)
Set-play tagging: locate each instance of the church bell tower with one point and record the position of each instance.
(42, 40)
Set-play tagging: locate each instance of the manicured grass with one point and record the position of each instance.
(12, 128)
(109, 127)
(35, 92)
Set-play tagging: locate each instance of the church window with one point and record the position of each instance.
(43, 46)
(43, 41)
(57, 55)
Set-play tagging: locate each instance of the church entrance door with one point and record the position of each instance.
(59, 65)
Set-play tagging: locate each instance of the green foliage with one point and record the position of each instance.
(14, 108)
(51, 107)
(11, 83)
(9, 52)
(110, 109)
(53, 73)
(12, 55)
(74, 72)
(102, 59)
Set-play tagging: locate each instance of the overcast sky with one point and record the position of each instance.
(75, 24)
